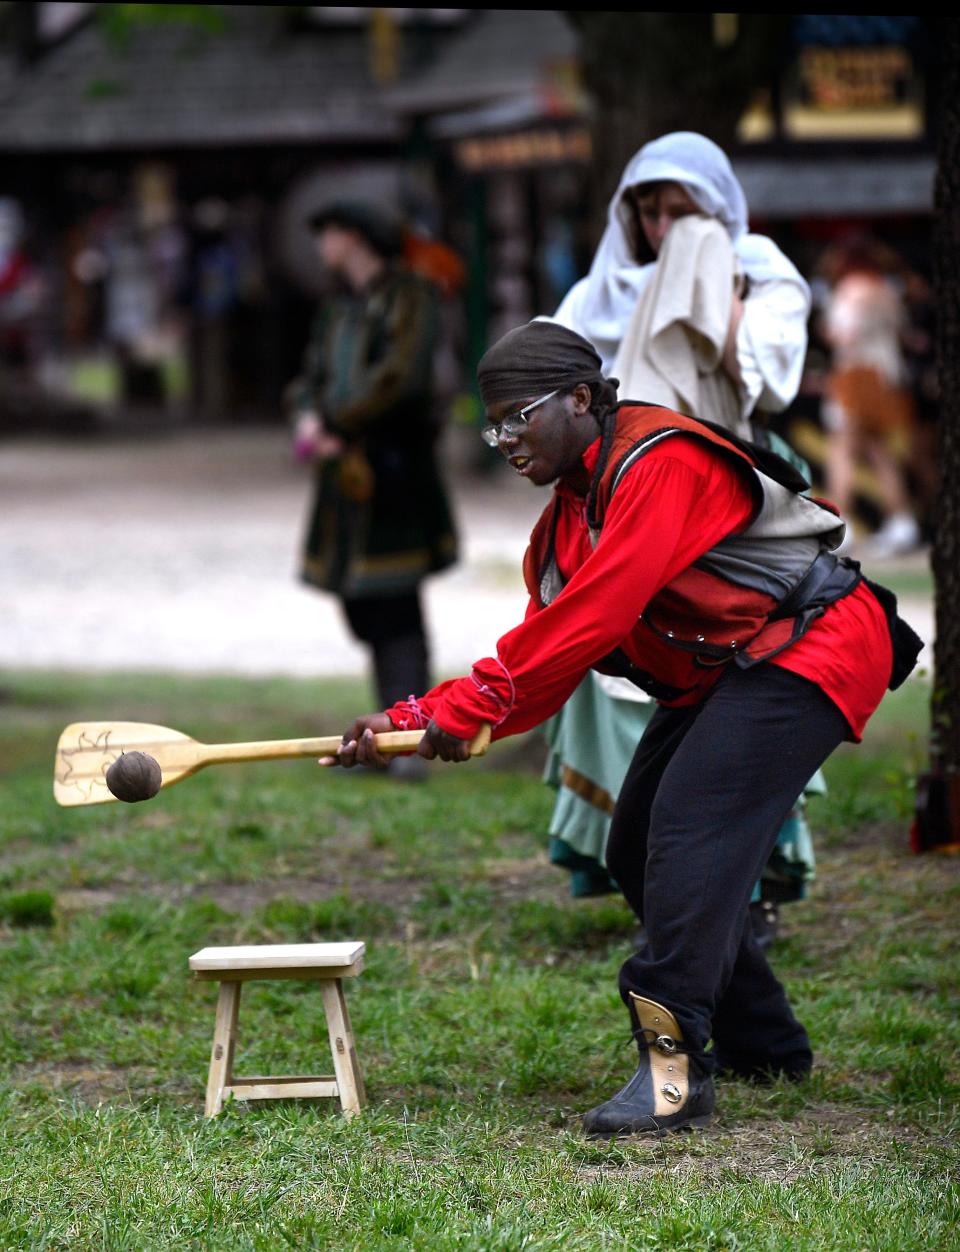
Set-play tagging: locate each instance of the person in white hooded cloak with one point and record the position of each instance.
(687, 309)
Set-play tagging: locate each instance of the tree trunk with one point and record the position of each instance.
(650, 73)
(938, 807)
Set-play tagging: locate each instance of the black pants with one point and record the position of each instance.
(697, 818)
(393, 628)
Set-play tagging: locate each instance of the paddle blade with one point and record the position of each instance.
(86, 751)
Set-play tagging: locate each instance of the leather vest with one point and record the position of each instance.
(752, 594)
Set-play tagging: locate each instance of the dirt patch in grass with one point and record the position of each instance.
(836, 916)
(525, 878)
(93, 1085)
(778, 1151)
(81, 899)
(246, 897)
(509, 880)
(232, 897)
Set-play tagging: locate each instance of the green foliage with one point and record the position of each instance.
(27, 908)
(121, 21)
(487, 1015)
(104, 89)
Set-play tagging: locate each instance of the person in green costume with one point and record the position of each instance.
(365, 415)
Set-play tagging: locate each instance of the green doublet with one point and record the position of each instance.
(380, 520)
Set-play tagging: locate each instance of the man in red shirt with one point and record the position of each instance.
(688, 560)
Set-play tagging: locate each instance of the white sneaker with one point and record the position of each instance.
(899, 534)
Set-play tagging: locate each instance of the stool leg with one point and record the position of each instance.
(224, 1043)
(345, 1063)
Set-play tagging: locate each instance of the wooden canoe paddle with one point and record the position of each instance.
(86, 751)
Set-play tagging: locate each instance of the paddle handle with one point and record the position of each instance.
(388, 742)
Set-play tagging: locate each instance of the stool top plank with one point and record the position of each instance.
(331, 960)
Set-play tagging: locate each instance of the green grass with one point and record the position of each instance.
(909, 582)
(487, 1016)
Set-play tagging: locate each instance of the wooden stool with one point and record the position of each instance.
(326, 963)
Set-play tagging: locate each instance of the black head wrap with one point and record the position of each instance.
(540, 357)
(380, 230)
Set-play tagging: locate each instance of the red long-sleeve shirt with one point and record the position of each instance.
(670, 508)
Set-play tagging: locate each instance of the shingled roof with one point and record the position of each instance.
(172, 86)
(511, 52)
(258, 81)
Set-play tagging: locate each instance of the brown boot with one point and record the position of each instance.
(670, 1091)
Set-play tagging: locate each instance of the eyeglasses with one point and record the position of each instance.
(513, 423)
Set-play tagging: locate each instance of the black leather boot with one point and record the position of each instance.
(794, 1067)
(758, 1039)
(765, 922)
(670, 1091)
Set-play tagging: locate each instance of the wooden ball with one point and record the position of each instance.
(134, 776)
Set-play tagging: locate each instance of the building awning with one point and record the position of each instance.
(825, 186)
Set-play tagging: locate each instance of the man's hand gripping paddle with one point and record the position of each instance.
(87, 751)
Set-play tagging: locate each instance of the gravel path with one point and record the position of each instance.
(178, 552)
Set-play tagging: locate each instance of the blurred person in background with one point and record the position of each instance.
(21, 291)
(688, 310)
(868, 408)
(365, 416)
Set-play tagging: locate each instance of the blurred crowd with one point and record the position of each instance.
(873, 318)
(170, 311)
